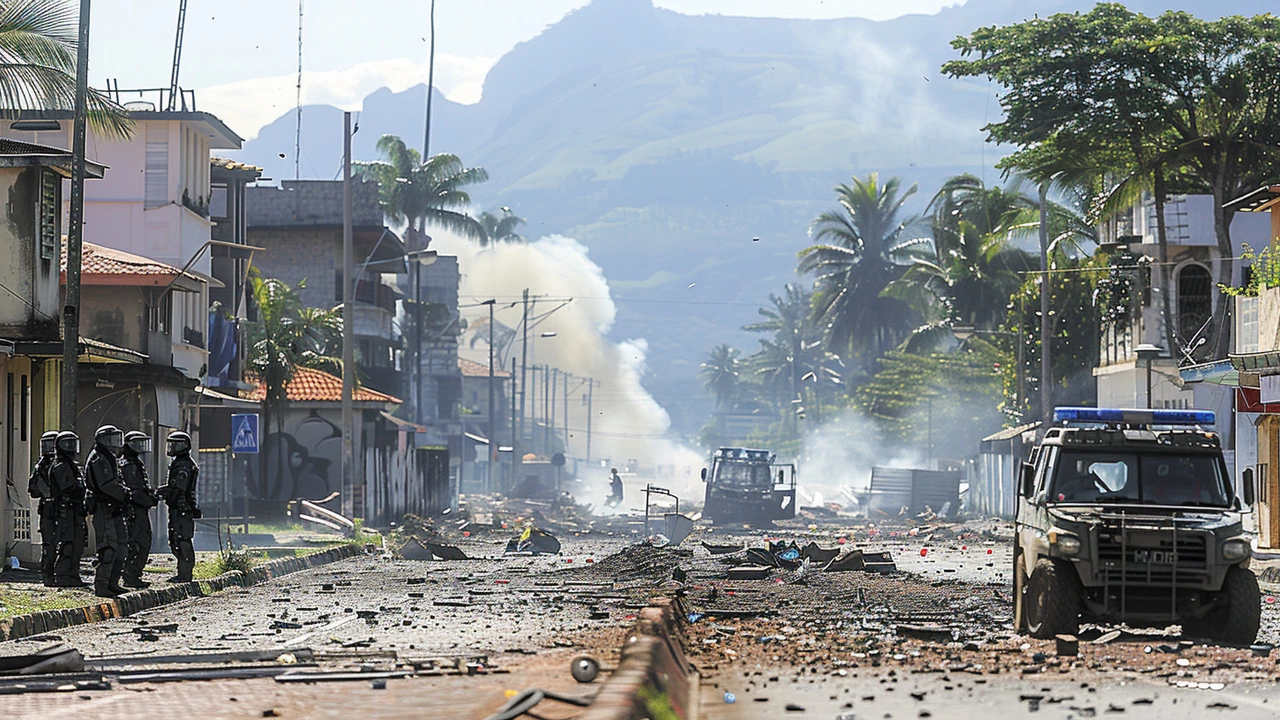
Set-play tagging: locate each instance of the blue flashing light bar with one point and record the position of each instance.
(1134, 416)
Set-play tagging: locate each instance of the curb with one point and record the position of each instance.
(652, 678)
(38, 623)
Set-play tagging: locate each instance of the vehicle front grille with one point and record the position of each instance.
(1152, 558)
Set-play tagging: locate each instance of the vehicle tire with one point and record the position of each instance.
(1019, 592)
(1243, 612)
(1052, 605)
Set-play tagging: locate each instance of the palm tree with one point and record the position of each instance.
(501, 228)
(795, 350)
(869, 249)
(38, 40)
(284, 337)
(430, 193)
(720, 374)
(974, 272)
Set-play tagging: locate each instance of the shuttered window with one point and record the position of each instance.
(50, 211)
(157, 174)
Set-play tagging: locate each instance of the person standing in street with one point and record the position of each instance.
(615, 488)
(180, 496)
(70, 499)
(111, 501)
(134, 472)
(40, 485)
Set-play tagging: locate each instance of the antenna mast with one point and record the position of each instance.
(174, 92)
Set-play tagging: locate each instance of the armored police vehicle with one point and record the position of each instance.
(742, 487)
(1131, 516)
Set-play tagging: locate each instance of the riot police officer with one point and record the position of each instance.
(40, 485)
(111, 501)
(69, 498)
(180, 495)
(138, 517)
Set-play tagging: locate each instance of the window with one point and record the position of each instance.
(157, 174)
(50, 211)
(1195, 301)
(218, 201)
(1156, 478)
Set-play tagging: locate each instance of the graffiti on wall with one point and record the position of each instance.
(301, 462)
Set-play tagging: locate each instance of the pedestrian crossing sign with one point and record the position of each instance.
(244, 433)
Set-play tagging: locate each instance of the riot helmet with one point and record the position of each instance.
(68, 443)
(137, 442)
(179, 443)
(110, 438)
(49, 443)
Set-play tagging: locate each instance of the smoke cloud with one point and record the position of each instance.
(627, 425)
(837, 458)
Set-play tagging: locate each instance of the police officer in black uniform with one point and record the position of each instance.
(111, 501)
(180, 495)
(69, 498)
(40, 485)
(134, 472)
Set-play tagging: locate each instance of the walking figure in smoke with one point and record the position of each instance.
(180, 496)
(137, 444)
(615, 488)
(110, 501)
(40, 485)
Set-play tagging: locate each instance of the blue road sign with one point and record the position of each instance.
(244, 433)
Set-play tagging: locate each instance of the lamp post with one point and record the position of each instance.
(1147, 353)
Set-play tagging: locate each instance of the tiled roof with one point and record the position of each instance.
(99, 260)
(311, 385)
(228, 164)
(475, 369)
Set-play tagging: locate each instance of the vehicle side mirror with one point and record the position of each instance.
(704, 474)
(782, 476)
(1246, 482)
(1027, 483)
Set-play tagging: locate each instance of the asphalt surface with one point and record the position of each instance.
(798, 643)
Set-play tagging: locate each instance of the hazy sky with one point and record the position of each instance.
(241, 55)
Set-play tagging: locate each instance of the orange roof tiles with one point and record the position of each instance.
(99, 260)
(475, 369)
(228, 164)
(311, 385)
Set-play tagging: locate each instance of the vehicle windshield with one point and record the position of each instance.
(1151, 478)
(743, 475)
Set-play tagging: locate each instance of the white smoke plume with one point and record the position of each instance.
(628, 426)
(836, 460)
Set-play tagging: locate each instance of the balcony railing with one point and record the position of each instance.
(193, 337)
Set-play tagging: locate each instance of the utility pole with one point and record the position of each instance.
(1046, 372)
(551, 416)
(565, 420)
(515, 444)
(524, 366)
(493, 425)
(591, 386)
(348, 330)
(75, 232)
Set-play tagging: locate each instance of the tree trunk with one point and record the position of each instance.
(1166, 287)
(1226, 265)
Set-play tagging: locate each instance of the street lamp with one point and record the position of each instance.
(1147, 353)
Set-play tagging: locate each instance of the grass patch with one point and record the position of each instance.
(20, 602)
(242, 559)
